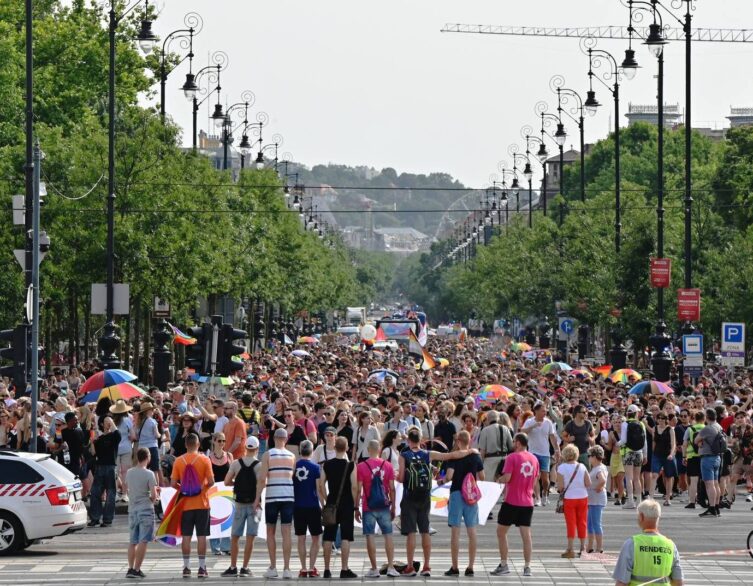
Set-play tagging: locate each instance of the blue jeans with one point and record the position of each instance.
(594, 519)
(220, 544)
(104, 480)
(710, 467)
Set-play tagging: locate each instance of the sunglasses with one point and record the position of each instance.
(219, 441)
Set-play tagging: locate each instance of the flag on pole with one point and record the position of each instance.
(380, 336)
(181, 338)
(415, 348)
(288, 340)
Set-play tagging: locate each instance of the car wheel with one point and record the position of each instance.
(12, 536)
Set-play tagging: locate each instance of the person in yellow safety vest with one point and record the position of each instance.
(648, 557)
(692, 459)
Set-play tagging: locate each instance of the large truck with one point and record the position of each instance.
(355, 316)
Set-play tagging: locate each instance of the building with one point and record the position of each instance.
(404, 240)
(553, 176)
(740, 117)
(211, 146)
(650, 113)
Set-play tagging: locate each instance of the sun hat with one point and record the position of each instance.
(120, 406)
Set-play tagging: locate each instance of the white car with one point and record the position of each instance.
(39, 499)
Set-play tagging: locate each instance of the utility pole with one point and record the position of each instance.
(29, 167)
(33, 312)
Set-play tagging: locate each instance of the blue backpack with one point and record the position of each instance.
(377, 499)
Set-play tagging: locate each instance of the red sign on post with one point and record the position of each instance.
(689, 304)
(661, 269)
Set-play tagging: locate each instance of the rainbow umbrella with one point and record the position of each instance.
(656, 387)
(625, 375)
(555, 367)
(492, 394)
(307, 340)
(223, 380)
(123, 391)
(603, 370)
(580, 374)
(520, 347)
(106, 378)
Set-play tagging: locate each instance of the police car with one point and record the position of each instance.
(39, 499)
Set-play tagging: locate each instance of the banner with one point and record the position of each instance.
(222, 507)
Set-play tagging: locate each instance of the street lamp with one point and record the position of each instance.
(559, 139)
(227, 124)
(542, 155)
(194, 24)
(514, 151)
(191, 87)
(563, 94)
(109, 342)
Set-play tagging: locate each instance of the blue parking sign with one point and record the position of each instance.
(733, 333)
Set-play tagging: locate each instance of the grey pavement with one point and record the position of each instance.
(712, 550)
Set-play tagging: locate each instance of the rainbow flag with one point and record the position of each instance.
(168, 531)
(603, 370)
(181, 338)
(415, 348)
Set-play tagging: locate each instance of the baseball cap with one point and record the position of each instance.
(252, 442)
(330, 429)
(633, 409)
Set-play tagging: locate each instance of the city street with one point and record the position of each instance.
(712, 552)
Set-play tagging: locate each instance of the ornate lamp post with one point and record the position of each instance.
(194, 25)
(563, 94)
(191, 88)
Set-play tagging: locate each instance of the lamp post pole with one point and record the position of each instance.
(194, 24)
(191, 89)
(557, 84)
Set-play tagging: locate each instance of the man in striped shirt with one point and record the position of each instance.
(277, 468)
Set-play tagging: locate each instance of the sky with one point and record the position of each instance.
(366, 82)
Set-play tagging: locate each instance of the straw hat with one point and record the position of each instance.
(120, 406)
(146, 406)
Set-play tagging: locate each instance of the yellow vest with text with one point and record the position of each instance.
(653, 556)
(692, 451)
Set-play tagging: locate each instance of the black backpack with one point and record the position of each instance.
(636, 436)
(244, 488)
(718, 445)
(417, 476)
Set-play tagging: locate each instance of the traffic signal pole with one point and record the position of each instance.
(33, 368)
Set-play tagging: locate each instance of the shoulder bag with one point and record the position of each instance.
(329, 512)
(561, 500)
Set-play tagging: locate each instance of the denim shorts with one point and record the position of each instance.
(545, 462)
(459, 511)
(382, 518)
(244, 517)
(710, 467)
(281, 509)
(141, 526)
(658, 463)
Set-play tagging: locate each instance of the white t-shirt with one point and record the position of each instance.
(577, 489)
(538, 435)
(219, 425)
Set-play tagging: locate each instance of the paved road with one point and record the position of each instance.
(712, 550)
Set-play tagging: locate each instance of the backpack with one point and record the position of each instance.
(417, 476)
(636, 436)
(377, 499)
(244, 487)
(470, 490)
(718, 445)
(189, 480)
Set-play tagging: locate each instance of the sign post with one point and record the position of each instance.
(733, 344)
(692, 349)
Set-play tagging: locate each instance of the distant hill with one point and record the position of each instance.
(391, 206)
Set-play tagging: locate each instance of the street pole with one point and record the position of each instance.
(562, 170)
(617, 178)
(224, 145)
(33, 368)
(195, 112)
(530, 203)
(109, 342)
(29, 166)
(582, 159)
(688, 152)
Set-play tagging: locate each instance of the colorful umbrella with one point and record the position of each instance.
(106, 378)
(656, 387)
(307, 340)
(520, 347)
(555, 367)
(300, 353)
(223, 380)
(603, 370)
(123, 391)
(492, 394)
(625, 375)
(382, 372)
(580, 374)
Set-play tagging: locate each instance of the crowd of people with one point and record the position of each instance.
(326, 435)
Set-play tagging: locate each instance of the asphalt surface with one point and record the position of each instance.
(713, 552)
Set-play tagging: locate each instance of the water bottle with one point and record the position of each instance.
(66, 457)
(257, 515)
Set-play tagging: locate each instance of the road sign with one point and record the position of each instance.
(121, 296)
(692, 345)
(661, 269)
(689, 304)
(733, 344)
(161, 308)
(566, 328)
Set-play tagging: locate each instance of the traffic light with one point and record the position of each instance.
(228, 349)
(15, 353)
(197, 355)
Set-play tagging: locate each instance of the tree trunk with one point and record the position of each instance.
(147, 375)
(127, 344)
(137, 339)
(74, 327)
(87, 331)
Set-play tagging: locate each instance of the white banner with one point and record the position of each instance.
(222, 505)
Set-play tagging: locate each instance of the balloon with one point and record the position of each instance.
(368, 332)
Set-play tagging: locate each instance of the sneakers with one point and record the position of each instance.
(629, 505)
(203, 574)
(426, 572)
(432, 531)
(527, 571)
(545, 501)
(131, 573)
(690, 506)
(186, 572)
(708, 513)
(452, 572)
(749, 498)
(408, 572)
(537, 503)
(313, 573)
(335, 551)
(287, 574)
(500, 570)
(348, 574)
(372, 573)
(105, 524)
(271, 573)
(303, 574)
(230, 573)
(569, 554)
(469, 572)
(245, 572)
(327, 574)
(392, 572)
(92, 523)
